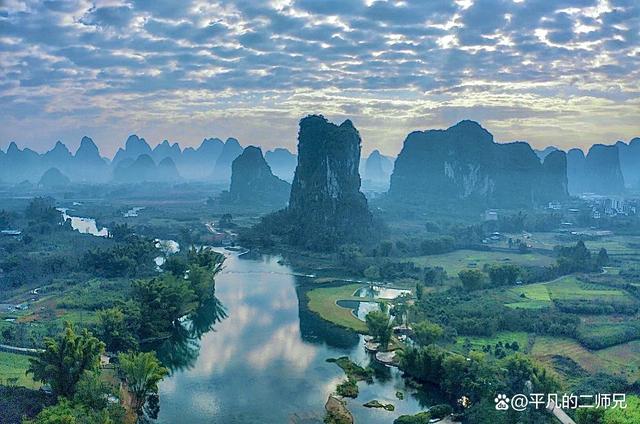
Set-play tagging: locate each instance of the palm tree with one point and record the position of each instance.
(141, 373)
(65, 359)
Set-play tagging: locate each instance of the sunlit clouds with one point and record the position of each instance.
(550, 72)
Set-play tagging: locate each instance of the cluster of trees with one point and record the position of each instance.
(465, 314)
(579, 259)
(158, 303)
(70, 366)
(133, 257)
(474, 377)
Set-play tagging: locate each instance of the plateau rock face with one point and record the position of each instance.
(326, 205)
(630, 162)
(282, 162)
(252, 181)
(463, 166)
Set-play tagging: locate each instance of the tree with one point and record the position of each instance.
(471, 279)
(603, 258)
(113, 329)
(372, 273)
(427, 333)
(141, 372)
(590, 416)
(379, 327)
(504, 275)
(65, 359)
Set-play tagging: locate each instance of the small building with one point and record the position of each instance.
(490, 215)
(11, 233)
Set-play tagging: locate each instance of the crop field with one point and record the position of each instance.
(541, 295)
(622, 360)
(13, 368)
(458, 260)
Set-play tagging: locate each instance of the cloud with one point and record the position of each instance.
(78, 65)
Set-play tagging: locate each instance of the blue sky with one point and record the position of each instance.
(556, 72)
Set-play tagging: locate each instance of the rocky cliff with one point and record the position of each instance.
(630, 162)
(326, 206)
(602, 170)
(462, 166)
(378, 168)
(230, 151)
(253, 183)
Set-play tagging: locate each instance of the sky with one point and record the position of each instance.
(553, 72)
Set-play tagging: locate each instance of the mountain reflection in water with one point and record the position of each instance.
(266, 362)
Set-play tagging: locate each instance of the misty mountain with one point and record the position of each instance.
(378, 167)
(144, 169)
(253, 182)
(230, 151)
(463, 166)
(542, 154)
(133, 147)
(199, 163)
(53, 179)
(282, 162)
(166, 150)
(629, 155)
(88, 165)
(598, 172)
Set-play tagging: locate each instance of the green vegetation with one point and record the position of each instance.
(13, 370)
(353, 370)
(348, 388)
(323, 301)
(379, 327)
(65, 359)
(141, 372)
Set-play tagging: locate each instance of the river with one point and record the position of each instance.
(266, 362)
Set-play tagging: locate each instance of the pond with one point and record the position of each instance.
(380, 292)
(84, 225)
(266, 362)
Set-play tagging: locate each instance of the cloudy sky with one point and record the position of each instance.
(561, 72)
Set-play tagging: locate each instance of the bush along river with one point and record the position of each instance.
(266, 362)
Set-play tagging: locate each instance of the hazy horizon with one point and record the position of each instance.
(561, 73)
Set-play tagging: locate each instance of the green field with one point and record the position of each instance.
(622, 360)
(458, 260)
(505, 337)
(323, 300)
(541, 295)
(13, 366)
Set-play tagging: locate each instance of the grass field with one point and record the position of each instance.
(541, 295)
(14, 366)
(458, 260)
(323, 300)
(622, 360)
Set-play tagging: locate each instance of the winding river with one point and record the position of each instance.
(266, 362)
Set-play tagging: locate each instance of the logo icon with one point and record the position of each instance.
(502, 402)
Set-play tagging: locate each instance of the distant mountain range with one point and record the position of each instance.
(604, 169)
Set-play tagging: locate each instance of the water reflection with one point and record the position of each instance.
(181, 349)
(266, 362)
